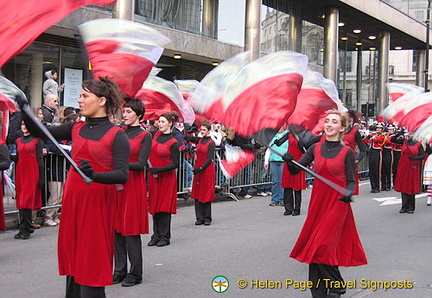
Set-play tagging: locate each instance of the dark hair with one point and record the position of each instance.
(206, 124)
(354, 115)
(171, 116)
(53, 71)
(136, 105)
(68, 110)
(71, 118)
(105, 87)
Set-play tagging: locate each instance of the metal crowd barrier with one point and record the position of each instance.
(253, 175)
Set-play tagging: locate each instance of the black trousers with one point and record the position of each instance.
(161, 226)
(74, 290)
(292, 199)
(386, 169)
(25, 224)
(408, 202)
(396, 158)
(317, 274)
(125, 246)
(203, 211)
(374, 168)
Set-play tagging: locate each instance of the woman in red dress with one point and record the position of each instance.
(162, 179)
(29, 180)
(4, 165)
(132, 206)
(86, 234)
(409, 171)
(329, 236)
(203, 187)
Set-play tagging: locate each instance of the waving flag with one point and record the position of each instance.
(187, 88)
(397, 90)
(317, 96)
(8, 92)
(123, 50)
(160, 96)
(424, 132)
(416, 112)
(23, 21)
(396, 109)
(235, 160)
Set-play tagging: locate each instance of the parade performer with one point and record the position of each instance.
(4, 165)
(409, 171)
(162, 179)
(353, 138)
(386, 165)
(329, 237)
(376, 141)
(132, 206)
(203, 186)
(29, 180)
(86, 234)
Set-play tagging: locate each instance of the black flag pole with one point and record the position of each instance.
(26, 109)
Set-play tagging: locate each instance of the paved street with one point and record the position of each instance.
(247, 240)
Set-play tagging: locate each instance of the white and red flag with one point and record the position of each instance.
(8, 92)
(416, 112)
(236, 159)
(23, 21)
(397, 90)
(160, 96)
(123, 50)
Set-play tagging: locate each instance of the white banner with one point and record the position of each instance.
(73, 80)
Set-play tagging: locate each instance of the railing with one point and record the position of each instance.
(253, 175)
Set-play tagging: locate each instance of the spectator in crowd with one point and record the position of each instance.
(162, 179)
(49, 108)
(50, 86)
(276, 167)
(29, 180)
(132, 207)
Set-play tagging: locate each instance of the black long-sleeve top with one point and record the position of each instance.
(175, 154)
(4, 157)
(95, 129)
(410, 142)
(146, 144)
(329, 149)
(211, 151)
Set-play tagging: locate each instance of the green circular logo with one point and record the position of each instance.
(220, 284)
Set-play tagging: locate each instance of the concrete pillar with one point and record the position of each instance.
(331, 44)
(210, 18)
(37, 79)
(383, 71)
(359, 77)
(421, 66)
(253, 28)
(124, 9)
(295, 33)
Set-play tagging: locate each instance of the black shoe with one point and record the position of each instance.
(199, 222)
(117, 278)
(410, 211)
(295, 213)
(288, 212)
(388, 189)
(153, 242)
(130, 281)
(375, 191)
(403, 210)
(163, 242)
(273, 204)
(18, 236)
(281, 204)
(207, 222)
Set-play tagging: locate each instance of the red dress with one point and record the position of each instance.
(162, 186)
(28, 193)
(204, 182)
(296, 182)
(86, 234)
(408, 172)
(2, 215)
(349, 139)
(132, 205)
(329, 235)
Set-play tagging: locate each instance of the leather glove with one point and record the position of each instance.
(155, 171)
(86, 168)
(197, 170)
(288, 157)
(277, 142)
(346, 198)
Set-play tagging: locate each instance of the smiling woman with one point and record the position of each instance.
(85, 254)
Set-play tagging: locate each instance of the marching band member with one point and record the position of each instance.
(387, 159)
(376, 141)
